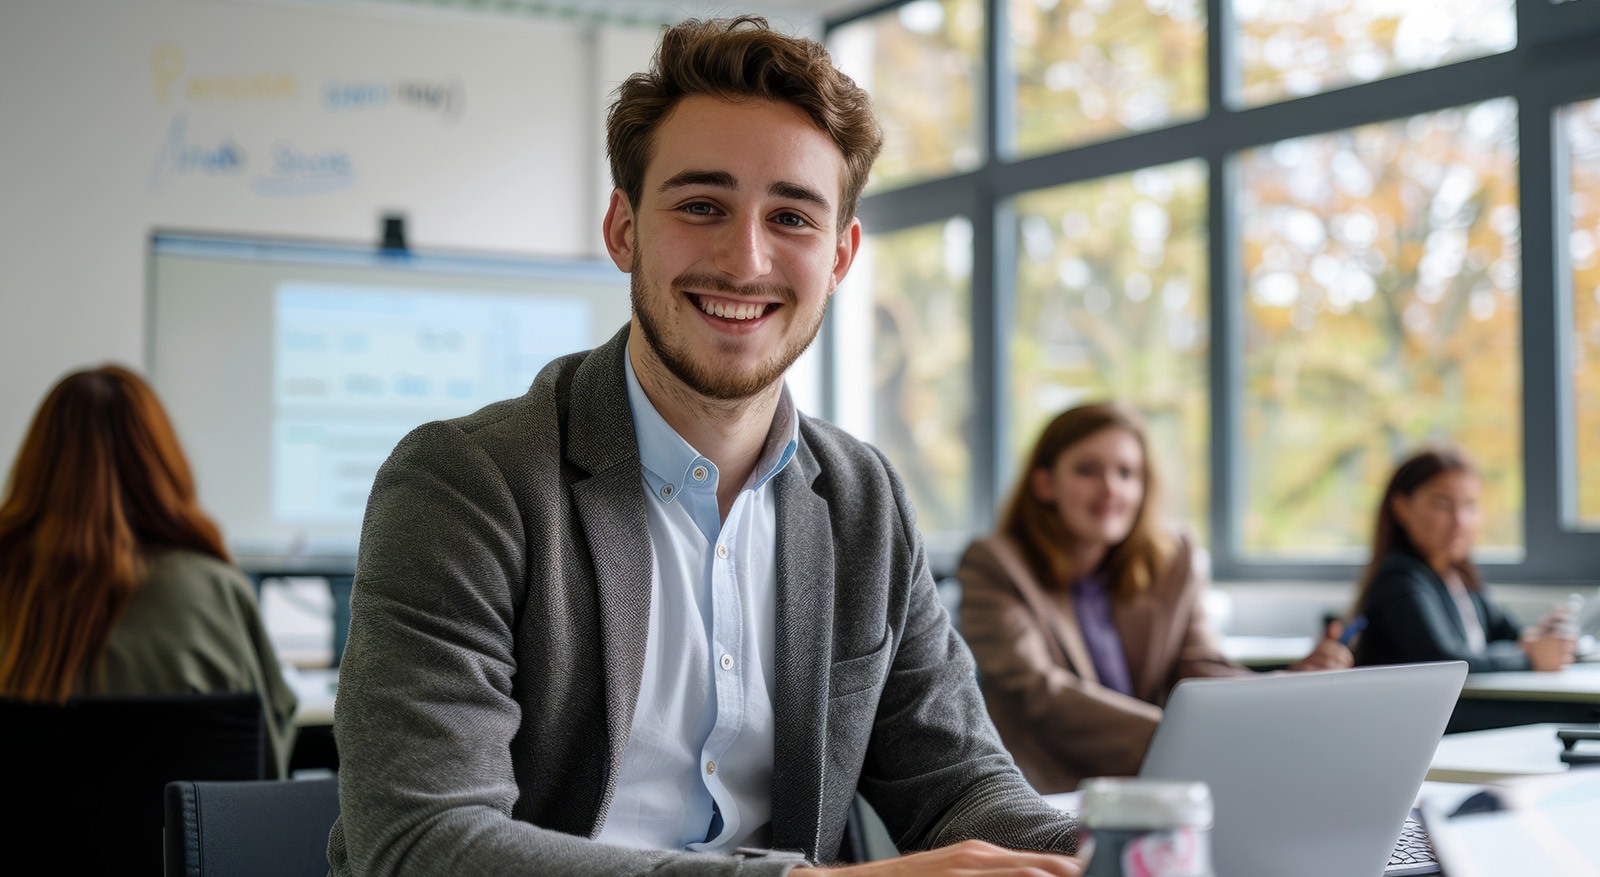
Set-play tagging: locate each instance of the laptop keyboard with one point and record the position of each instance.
(1413, 855)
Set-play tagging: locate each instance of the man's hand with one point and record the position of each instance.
(970, 858)
(1330, 654)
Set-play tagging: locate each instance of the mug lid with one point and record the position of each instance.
(1130, 802)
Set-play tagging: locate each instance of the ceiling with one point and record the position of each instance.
(803, 13)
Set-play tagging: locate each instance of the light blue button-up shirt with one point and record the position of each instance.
(697, 771)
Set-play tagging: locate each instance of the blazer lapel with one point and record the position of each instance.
(1447, 605)
(802, 652)
(1135, 622)
(610, 506)
(1054, 610)
(1150, 626)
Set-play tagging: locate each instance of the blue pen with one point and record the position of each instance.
(1356, 625)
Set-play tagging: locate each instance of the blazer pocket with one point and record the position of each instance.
(854, 675)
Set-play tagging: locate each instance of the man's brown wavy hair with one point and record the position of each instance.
(741, 59)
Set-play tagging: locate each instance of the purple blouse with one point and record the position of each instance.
(1093, 607)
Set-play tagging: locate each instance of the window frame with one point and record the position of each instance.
(1555, 62)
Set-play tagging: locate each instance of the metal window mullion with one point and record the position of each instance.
(993, 280)
(1226, 368)
(1221, 235)
(1001, 467)
(920, 204)
(1540, 372)
(987, 369)
(1540, 22)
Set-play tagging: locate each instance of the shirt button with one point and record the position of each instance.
(711, 767)
(722, 551)
(727, 662)
(700, 473)
(666, 491)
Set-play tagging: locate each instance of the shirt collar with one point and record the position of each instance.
(669, 461)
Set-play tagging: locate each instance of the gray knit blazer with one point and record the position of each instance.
(497, 642)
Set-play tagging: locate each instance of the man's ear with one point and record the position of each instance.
(618, 231)
(844, 253)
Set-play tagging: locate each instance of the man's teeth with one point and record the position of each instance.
(733, 310)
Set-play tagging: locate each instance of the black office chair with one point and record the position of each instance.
(85, 780)
(268, 828)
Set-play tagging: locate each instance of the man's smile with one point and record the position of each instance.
(733, 310)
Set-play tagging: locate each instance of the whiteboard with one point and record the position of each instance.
(290, 370)
(271, 120)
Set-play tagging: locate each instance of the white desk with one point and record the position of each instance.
(1266, 651)
(1502, 753)
(1579, 683)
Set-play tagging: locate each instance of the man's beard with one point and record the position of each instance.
(702, 377)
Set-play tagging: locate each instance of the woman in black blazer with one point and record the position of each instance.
(1422, 596)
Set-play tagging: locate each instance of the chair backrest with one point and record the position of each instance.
(86, 779)
(267, 828)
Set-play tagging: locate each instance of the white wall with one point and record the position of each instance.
(496, 152)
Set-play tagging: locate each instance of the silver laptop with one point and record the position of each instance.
(1312, 774)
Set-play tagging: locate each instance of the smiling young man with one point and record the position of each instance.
(648, 618)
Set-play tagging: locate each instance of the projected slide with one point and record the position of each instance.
(357, 367)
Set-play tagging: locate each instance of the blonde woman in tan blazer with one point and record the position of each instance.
(1083, 611)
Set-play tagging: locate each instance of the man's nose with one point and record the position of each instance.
(742, 250)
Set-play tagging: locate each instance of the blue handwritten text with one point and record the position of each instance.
(179, 157)
(355, 96)
(295, 172)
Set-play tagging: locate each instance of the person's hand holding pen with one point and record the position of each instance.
(1333, 652)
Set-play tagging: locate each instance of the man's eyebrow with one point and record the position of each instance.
(717, 179)
(797, 192)
(725, 180)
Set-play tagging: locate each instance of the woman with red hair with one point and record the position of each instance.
(112, 580)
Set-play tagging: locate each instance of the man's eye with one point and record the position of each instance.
(697, 208)
(792, 220)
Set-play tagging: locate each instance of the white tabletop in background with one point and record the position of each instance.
(1579, 683)
(1501, 753)
(1253, 651)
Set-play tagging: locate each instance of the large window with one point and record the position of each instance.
(920, 48)
(1111, 303)
(1381, 287)
(905, 377)
(1097, 68)
(1305, 237)
(1291, 48)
